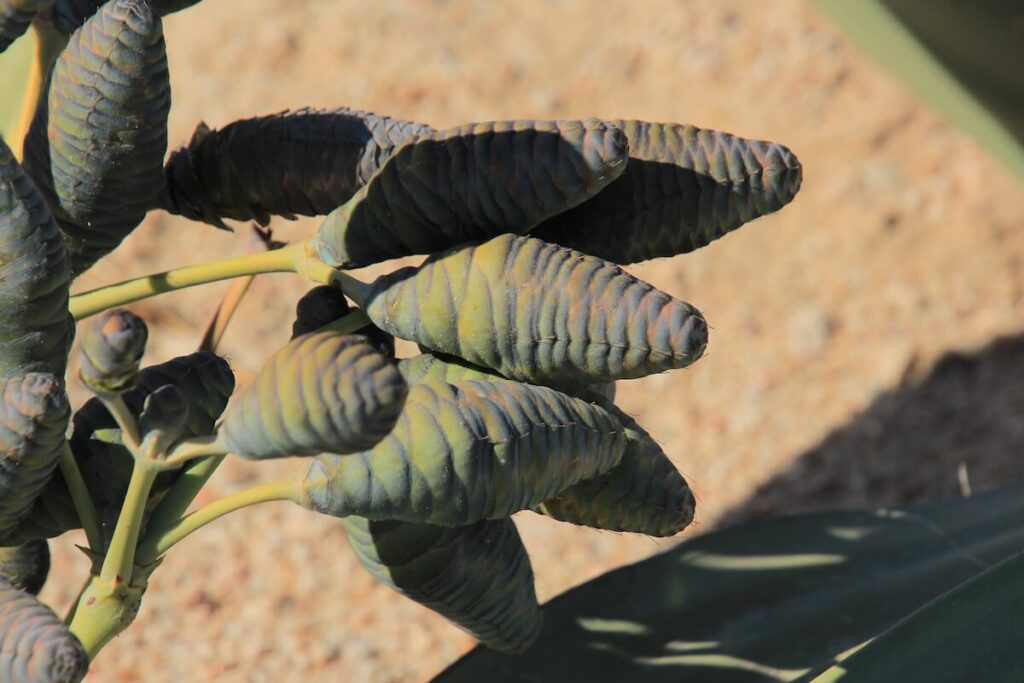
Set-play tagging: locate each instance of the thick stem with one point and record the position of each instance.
(354, 289)
(153, 548)
(356, 320)
(287, 260)
(104, 610)
(120, 558)
(176, 502)
(196, 447)
(83, 502)
(116, 406)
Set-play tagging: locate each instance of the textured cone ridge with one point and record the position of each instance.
(477, 576)
(428, 367)
(26, 566)
(538, 312)
(204, 379)
(34, 415)
(471, 183)
(302, 163)
(683, 188)
(69, 15)
(36, 328)
(35, 646)
(15, 17)
(643, 494)
(111, 350)
(96, 148)
(466, 452)
(323, 392)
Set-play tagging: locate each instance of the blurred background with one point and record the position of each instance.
(867, 342)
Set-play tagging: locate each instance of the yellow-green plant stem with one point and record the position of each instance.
(196, 447)
(356, 320)
(120, 557)
(116, 406)
(104, 610)
(83, 502)
(293, 259)
(153, 548)
(176, 501)
(49, 43)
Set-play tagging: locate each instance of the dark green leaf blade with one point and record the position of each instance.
(973, 632)
(763, 602)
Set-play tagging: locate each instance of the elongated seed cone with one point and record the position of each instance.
(324, 392)
(643, 494)
(26, 566)
(35, 646)
(96, 148)
(470, 451)
(538, 312)
(429, 366)
(477, 576)
(35, 326)
(68, 15)
(34, 415)
(295, 163)
(471, 183)
(204, 379)
(111, 350)
(15, 17)
(683, 188)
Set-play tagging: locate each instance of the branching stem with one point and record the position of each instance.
(116, 406)
(153, 548)
(120, 558)
(291, 259)
(196, 447)
(83, 502)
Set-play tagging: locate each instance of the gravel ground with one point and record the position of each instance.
(820, 386)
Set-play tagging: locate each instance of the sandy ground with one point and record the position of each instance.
(820, 386)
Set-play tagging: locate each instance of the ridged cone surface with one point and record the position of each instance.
(471, 183)
(96, 147)
(35, 326)
(26, 566)
(295, 163)
(643, 494)
(683, 188)
(34, 415)
(323, 392)
(477, 576)
(466, 452)
(538, 312)
(35, 646)
(15, 17)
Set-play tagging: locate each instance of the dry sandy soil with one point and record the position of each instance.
(823, 384)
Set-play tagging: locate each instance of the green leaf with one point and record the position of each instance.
(973, 632)
(768, 601)
(962, 58)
